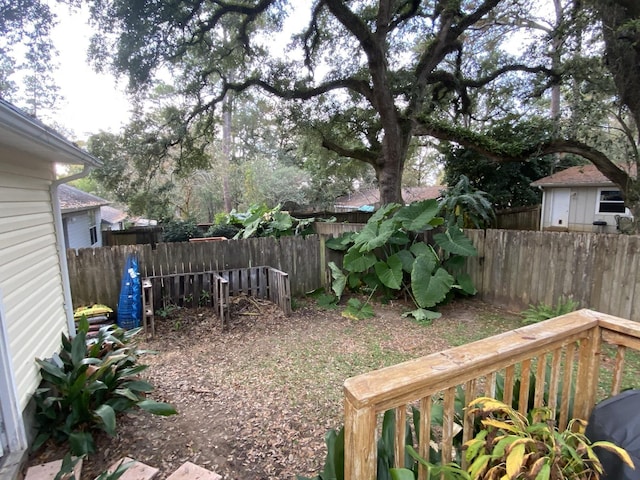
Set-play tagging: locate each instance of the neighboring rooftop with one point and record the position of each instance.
(581, 175)
(112, 215)
(72, 199)
(372, 196)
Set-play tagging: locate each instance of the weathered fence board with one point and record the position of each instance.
(95, 273)
(513, 268)
(520, 268)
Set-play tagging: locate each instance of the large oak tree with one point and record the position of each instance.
(368, 76)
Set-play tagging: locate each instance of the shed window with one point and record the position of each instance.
(610, 202)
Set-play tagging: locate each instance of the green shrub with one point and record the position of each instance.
(541, 311)
(262, 221)
(88, 384)
(179, 231)
(226, 231)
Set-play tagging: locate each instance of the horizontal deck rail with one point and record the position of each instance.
(556, 363)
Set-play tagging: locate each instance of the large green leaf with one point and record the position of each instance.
(108, 417)
(50, 369)
(420, 248)
(354, 261)
(375, 238)
(342, 242)
(455, 241)
(419, 216)
(81, 443)
(282, 221)
(78, 348)
(466, 284)
(383, 212)
(369, 232)
(339, 280)
(157, 408)
(390, 272)
(428, 289)
(422, 315)
(407, 259)
(401, 474)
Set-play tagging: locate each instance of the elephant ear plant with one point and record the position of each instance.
(88, 384)
(389, 256)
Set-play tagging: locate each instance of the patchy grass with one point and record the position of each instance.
(487, 324)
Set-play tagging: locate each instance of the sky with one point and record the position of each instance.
(92, 102)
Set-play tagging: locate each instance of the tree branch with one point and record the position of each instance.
(504, 153)
(355, 153)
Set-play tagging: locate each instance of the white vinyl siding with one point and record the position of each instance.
(30, 277)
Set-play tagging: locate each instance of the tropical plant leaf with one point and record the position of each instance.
(340, 243)
(419, 216)
(81, 443)
(401, 474)
(327, 301)
(422, 315)
(356, 310)
(157, 408)
(390, 272)
(355, 261)
(466, 284)
(455, 241)
(108, 418)
(385, 230)
(339, 280)
(407, 259)
(429, 289)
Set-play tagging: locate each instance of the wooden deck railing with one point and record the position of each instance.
(557, 363)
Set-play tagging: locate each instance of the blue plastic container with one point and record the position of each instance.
(130, 301)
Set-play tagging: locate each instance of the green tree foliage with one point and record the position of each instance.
(507, 185)
(27, 56)
(393, 67)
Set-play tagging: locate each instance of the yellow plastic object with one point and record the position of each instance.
(91, 311)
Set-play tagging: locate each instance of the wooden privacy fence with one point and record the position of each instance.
(598, 271)
(558, 361)
(95, 273)
(521, 218)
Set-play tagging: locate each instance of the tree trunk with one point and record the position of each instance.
(226, 152)
(390, 167)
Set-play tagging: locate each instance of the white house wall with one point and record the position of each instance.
(77, 225)
(30, 277)
(582, 210)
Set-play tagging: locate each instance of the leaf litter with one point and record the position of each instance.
(255, 401)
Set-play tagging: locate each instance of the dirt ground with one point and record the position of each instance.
(255, 401)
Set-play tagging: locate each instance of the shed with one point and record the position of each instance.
(35, 298)
(580, 199)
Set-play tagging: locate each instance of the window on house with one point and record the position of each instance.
(93, 232)
(93, 229)
(610, 201)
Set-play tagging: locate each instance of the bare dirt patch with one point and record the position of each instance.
(255, 401)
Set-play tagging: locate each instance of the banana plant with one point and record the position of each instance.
(389, 255)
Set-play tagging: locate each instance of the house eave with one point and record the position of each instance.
(21, 132)
(573, 185)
